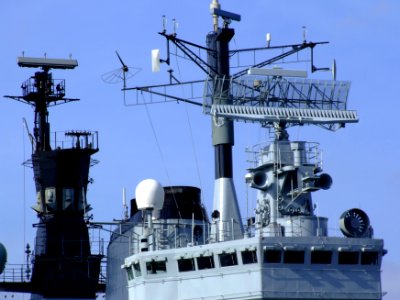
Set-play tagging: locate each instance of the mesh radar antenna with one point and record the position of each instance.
(275, 98)
(121, 74)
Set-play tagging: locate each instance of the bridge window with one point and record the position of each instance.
(369, 258)
(186, 264)
(130, 273)
(321, 257)
(205, 262)
(136, 270)
(68, 199)
(228, 259)
(155, 267)
(249, 257)
(293, 257)
(272, 256)
(50, 197)
(348, 258)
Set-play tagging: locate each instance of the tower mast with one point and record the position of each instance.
(225, 200)
(63, 264)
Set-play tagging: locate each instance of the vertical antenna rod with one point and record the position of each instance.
(214, 5)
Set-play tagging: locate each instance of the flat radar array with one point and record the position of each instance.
(281, 97)
(47, 63)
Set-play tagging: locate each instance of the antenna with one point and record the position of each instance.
(164, 23)
(268, 38)
(176, 24)
(124, 205)
(124, 66)
(334, 69)
(47, 63)
(304, 34)
(121, 74)
(155, 60)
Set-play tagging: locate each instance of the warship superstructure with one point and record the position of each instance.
(172, 251)
(63, 265)
(169, 246)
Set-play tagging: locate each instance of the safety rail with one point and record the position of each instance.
(55, 88)
(16, 273)
(262, 154)
(76, 139)
(21, 273)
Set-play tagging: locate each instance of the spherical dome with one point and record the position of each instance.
(3, 257)
(149, 194)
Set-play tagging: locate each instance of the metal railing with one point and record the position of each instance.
(75, 139)
(16, 273)
(263, 154)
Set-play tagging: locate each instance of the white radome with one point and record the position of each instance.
(149, 195)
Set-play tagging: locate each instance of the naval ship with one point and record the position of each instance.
(175, 250)
(169, 246)
(61, 264)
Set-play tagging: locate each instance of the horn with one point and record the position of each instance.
(324, 181)
(260, 180)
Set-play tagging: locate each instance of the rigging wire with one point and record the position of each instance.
(196, 160)
(190, 131)
(160, 153)
(24, 189)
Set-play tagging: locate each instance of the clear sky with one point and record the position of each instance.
(362, 158)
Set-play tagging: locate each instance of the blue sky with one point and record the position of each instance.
(362, 158)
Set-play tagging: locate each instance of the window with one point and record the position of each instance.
(130, 273)
(321, 257)
(68, 198)
(186, 264)
(154, 267)
(369, 258)
(272, 256)
(249, 257)
(293, 257)
(50, 197)
(136, 270)
(348, 258)
(205, 262)
(228, 259)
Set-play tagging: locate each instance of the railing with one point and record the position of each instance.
(19, 273)
(262, 154)
(168, 235)
(76, 139)
(16, 273)
(55, 88)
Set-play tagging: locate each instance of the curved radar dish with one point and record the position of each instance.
(149, 195)
(354, 223)
(3, 257)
